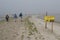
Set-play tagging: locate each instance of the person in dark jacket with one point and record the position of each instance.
(7, 17)
(20, 15)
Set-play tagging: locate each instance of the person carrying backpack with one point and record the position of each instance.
(7, 17)
(20, 15)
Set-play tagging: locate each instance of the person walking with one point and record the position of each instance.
(15, 17)
(20, 15)
(7, 17)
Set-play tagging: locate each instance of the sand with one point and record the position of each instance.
(31, 28)
(10, 30)
(46, 33)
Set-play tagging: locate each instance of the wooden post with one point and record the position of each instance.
(52, 27)
(45, 25)
(46, 22)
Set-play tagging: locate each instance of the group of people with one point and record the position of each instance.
(15, 17)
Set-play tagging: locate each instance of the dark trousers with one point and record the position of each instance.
(7, 19)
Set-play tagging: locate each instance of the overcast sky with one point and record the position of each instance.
(29, 6)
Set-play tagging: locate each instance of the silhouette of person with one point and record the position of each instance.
(20, 15)
(15, 17)
(7, 17)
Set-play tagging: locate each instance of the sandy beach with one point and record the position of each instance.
(31, 28)
(46, 33)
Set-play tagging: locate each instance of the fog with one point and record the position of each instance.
(30, 7)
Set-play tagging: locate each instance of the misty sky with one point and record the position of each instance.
(29, 6)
